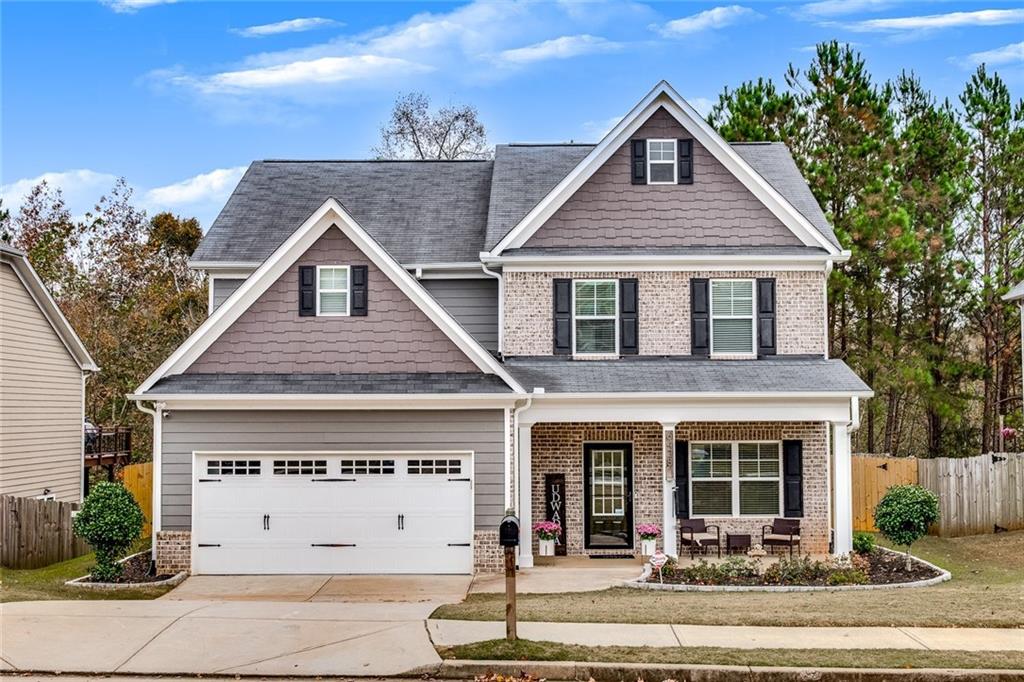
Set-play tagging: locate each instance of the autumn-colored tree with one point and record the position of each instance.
(414, 132)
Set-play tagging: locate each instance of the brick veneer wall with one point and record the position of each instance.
(558, 448)
(814, 530)
(665, 310)
(173, 551)
(488, 555)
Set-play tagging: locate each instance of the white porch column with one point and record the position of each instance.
(844, 490)
(525, 506)
(668, 458)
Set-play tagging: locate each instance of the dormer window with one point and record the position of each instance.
(332, 288)
(661, 162)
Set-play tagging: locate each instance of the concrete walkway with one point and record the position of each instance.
(452, 632)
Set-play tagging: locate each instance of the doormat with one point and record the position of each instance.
(612, 556)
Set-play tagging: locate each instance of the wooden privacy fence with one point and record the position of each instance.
(36, 533)
(872, 476)
(138, 479)
(977, 495)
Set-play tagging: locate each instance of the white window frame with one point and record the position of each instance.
(675, 163)
(614, 316)
(735, 478)
(752, 317)
(347, 291)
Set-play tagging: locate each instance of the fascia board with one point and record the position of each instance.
(404, 401)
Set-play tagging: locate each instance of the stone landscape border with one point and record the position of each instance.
(84, 581)
(641, 584)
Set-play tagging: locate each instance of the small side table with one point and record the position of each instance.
(736, 543)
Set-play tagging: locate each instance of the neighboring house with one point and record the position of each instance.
(43, 365)
(399, 351)
(1016, 294)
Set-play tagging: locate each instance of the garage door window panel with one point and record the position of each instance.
(368, 467)
(434, 466)
(300, 467)
(233, 467)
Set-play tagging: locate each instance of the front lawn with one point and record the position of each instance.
(524, 650)
(987, 590)
(48, 583)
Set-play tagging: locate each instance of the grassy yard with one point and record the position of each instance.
(500, 650)
(48, 583)
(987, 590)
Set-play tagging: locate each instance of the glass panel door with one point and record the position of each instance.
(608, 474)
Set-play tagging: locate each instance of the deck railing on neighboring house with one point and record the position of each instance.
(106, 445)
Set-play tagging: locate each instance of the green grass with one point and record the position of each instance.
(987, 590)
(48, 582)
(524, 650)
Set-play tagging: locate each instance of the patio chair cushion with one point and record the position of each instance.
(773, 537)
(699, 538)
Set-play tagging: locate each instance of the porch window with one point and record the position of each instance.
(595, 303)
(732, 317)
(332, 285)
(735, 479)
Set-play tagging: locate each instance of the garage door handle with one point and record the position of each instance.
(330, 544)
(204, 544)
(209, 480)
(332, 480)
(458, 544)
(459, 479)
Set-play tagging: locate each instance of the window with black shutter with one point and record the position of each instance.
(360, 288)
(682, 469)
(629, 316)
(638, 158)
(307, 290)
(562, 316)
(685, 162)
(793, 478)
(700, 327)
(766, 316)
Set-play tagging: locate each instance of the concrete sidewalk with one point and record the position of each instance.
(452, 632)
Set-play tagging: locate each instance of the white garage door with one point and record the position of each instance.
(311, 513)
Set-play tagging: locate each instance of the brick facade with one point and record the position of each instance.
(665, 310)
(488, 555)
(558, 448)
(173, 551)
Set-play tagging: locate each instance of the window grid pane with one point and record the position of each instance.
(607, 482)
(732, 316)
(596, 304)
(332, 290)
(752, 483)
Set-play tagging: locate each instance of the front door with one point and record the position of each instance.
(608, 495)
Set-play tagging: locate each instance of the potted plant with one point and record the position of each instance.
(547, 532)
(649, 533)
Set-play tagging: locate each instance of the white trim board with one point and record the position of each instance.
(664, 95)
(331, 214)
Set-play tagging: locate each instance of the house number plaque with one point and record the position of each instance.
(554, 506)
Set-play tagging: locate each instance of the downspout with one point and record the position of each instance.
(501, 305)
(515, 451)
(824, 305)
(854, 414)
(157, 413)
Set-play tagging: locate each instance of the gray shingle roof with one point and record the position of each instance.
(686, 375)
(1015, 293)
(431, 211)
(664, 251)
(328, 384)
(420, 211)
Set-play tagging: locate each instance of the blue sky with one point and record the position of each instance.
(178, 97)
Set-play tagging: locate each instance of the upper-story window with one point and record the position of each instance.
(661, 162)
(732, 317)
(595, 302)
(332, 289)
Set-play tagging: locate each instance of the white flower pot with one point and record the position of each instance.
(648, 547)
(547, 547)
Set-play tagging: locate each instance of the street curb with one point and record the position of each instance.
(634, 672)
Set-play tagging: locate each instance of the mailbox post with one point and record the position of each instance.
(508, 538)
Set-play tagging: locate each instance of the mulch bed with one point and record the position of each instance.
(136, 570)
(886, 568)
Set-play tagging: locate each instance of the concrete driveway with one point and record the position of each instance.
(436, 589)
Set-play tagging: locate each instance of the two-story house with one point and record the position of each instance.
(399, 351)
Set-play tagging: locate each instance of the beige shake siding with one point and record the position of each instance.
(40, 400)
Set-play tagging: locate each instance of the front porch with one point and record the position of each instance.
(601, 479)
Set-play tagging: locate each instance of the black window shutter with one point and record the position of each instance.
(682, 479)
(685, 162)
(793, 478)
(766, 316)
(562, 310)
(307, 290)
(700, 317)
(638, 153)
(359, 290)
(629, 316)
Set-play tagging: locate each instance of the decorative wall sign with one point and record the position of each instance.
(554, 506)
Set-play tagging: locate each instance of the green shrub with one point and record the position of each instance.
(111, 521)
(905, 513)
(863, 543)
(735, 570)
(796, 571)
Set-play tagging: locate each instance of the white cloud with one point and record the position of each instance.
(596, 130)
(834, 8)
(1008, 54)
(132, 6)
(288, 26)
(201, 196)
(711, 19)
(558, 48)
(322, 71)
(934, 22)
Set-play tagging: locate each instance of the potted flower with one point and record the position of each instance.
(547, 532)
(649, 533)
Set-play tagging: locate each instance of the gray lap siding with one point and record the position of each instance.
(479, 431)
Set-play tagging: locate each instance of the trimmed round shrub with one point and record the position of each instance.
(110, 520)
(905, 513)
(863, 543)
